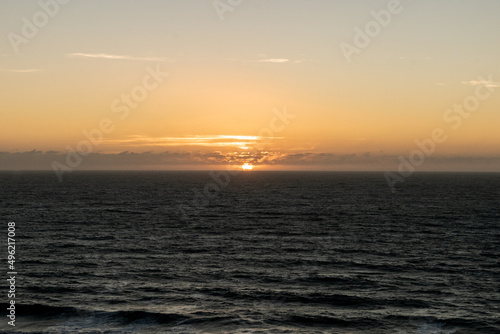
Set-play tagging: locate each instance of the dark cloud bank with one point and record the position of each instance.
(38, 160)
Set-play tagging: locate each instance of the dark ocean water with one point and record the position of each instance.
(271, 253)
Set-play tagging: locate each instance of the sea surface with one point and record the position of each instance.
(267, 252)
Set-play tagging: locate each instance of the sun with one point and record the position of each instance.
(247, 167)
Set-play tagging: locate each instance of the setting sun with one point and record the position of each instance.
(247, 167)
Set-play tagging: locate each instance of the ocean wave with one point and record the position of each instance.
(116, 317)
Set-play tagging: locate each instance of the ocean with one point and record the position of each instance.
(256, 252)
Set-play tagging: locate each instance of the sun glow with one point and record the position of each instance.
(247, 167)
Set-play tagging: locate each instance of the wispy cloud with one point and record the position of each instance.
(243, 142)
(27, 70)
(487, 83)
(280, 61)
(115, 57)
(271, 61)
(275, 60)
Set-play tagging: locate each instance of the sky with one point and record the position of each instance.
(281, 84)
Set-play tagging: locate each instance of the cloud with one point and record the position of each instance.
(270, 60)
(38, 160)
(243, 142)
(28, 70)
(115, 57)
(280, 61)
(275, 60)
(487, 83)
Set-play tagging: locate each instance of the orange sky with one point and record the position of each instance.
(175, 77)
